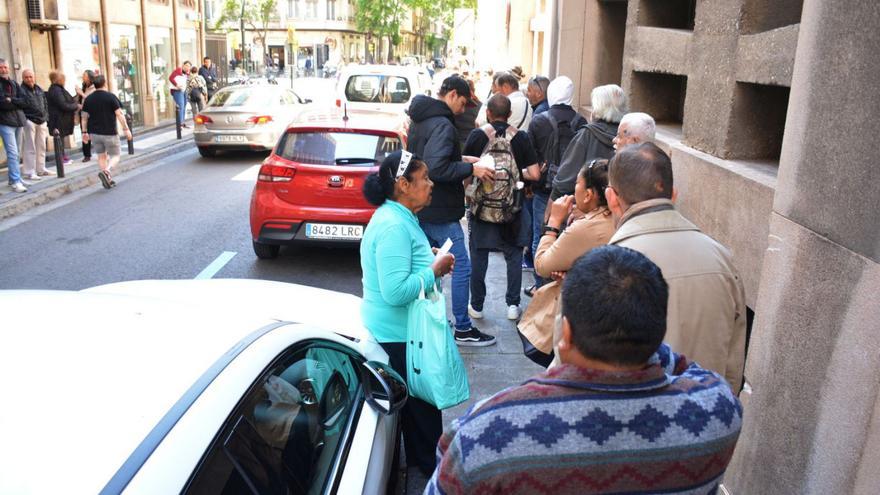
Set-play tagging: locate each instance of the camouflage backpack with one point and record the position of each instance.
(500, 200)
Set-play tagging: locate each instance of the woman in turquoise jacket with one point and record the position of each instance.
(397, 262)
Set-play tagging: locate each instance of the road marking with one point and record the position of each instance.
(216, 265)
(248, 175)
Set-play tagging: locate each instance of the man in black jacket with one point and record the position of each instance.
(433, 138)
(209, 71)
(11, 121)
(35, 129)
(560, 121)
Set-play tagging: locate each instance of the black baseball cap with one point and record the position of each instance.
(457, 83)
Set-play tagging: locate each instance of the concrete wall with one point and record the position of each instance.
(764, 103)
(811, 424)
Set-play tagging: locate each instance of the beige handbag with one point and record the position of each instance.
(539, 319)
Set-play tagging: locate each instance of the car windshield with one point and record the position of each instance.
(377, 88)
(240, 97)
(336, 148)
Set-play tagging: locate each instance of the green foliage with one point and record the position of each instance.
(257, 16)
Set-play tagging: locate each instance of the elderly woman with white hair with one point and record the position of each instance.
(594, 140)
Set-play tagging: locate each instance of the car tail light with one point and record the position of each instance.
(338, 103)
(260, 119)
(203, 119)
(274, 172)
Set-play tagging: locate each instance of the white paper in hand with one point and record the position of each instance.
(487, 161)
(445, 247)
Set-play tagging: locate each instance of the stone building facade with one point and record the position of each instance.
(765, 108)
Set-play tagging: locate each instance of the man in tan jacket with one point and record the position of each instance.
(706, 318)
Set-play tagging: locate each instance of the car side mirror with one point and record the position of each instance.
(385, 390)
(307, 101)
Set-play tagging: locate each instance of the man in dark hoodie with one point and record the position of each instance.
(432, 137)
(593, 140)
(12, 119)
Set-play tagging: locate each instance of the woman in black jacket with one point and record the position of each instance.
(62, 107)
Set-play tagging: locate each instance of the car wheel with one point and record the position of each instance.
(207, 152)
(266, 251)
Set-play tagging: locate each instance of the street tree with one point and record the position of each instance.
(256, 14)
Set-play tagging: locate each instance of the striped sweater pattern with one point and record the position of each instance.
(668, 428)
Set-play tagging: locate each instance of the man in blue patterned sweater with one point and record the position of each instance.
(621, 414)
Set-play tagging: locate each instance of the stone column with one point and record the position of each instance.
(812, 421)
(20, 34)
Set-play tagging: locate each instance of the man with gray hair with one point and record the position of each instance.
(12, 119)
(634, 128)
(35, 129)
(536, 92)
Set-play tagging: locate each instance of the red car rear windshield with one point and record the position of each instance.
(336, 148)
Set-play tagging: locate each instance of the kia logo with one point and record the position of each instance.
(335, 181)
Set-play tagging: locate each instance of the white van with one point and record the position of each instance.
(386, 88)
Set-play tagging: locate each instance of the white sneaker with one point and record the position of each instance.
(478, 315)
(512, 312)
(32, 177)
(18, 187)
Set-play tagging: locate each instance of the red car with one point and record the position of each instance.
(309, 189)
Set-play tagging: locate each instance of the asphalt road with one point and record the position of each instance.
(169, 222)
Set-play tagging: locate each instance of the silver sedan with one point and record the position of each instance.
(246, 117)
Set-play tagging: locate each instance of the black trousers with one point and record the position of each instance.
(422, 423)
(480, 263)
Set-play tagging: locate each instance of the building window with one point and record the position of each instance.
(331, 10)
(312, 9)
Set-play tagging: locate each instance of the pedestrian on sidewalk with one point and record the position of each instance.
(593, 140)
(35, 129)
(536, 92)
(208, 71)
(63, 109)
(466, 121)
(560, 246)
(510, 237)
(623, 413)
(196, 89)
(82, 92)
(707, 309)
(101, 112)
(521, 111)
(551, 132)
(12, 120)
(432, 136)
(398, 263)
(178, 80)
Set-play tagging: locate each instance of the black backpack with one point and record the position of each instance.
(554, 148)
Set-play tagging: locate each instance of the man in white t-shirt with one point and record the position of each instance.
(520, 109)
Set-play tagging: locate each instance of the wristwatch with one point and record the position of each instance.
(548, 228)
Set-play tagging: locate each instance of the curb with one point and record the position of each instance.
(85, 178)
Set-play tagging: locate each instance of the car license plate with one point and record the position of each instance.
(333, 231)
(229, 139)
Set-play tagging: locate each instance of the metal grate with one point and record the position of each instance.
(35, 9)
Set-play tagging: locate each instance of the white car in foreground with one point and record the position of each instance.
(193, 386)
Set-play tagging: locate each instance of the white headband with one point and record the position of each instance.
(405, 157)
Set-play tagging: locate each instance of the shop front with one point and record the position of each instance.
(125, 53)
(162, 62)
(189, 46)
(81, 52)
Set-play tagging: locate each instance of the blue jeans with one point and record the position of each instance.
(461, 276)
(529, 256)
(180, 101)
(539, 207)
(10, 136)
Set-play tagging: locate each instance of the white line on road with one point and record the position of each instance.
(248, 175)
(216, 265)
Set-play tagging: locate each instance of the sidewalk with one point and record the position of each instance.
(149, 146)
